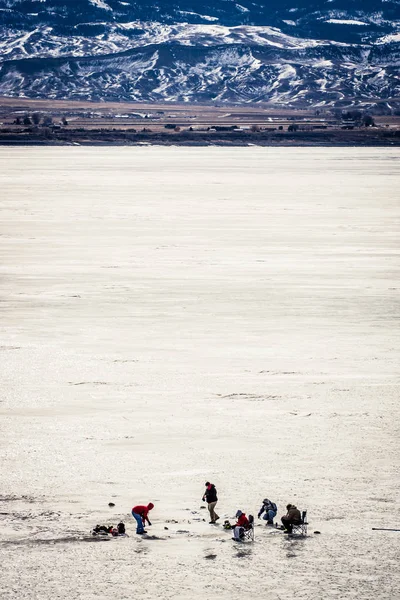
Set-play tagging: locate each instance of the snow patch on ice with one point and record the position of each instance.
(388, 39)
(194, 14)
(100, 4)
(323, 64)
(287, 72)
(346, 22)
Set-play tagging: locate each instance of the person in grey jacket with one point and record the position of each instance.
(269, 509)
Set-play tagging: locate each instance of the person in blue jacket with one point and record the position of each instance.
(269, 509)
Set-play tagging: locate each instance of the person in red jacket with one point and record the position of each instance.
(242, 523)
(140, 513)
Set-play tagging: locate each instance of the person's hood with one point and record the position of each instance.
(150, 506)
(293, 506)
(266, 501)
(239, 513)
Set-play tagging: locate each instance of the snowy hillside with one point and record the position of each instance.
(317, 53)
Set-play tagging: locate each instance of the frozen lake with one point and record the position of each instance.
(171, 316)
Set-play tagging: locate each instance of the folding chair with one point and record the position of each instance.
(301, 528)
(248, 532)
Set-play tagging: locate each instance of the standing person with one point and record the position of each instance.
(292, 517)
(270, 509)
(210, 496)
(140, 513)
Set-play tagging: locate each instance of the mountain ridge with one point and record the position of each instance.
(226, 57)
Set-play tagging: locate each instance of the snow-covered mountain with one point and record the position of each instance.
(292, 52)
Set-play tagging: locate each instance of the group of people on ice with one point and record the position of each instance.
(289, 520)
(268, 512)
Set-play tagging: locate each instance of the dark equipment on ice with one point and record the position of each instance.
(383, 529)
(121, 528)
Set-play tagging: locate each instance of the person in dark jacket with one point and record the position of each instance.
(292, 517)
(269, 509)
(210, 496)
(140, 513)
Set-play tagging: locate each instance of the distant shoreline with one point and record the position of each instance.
(368, 137)
(62, 123)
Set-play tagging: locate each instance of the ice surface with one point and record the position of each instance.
(171, 316)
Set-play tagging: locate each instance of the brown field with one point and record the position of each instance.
(124, 115)
(74, 119)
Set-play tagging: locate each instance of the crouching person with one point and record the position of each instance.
(269, 510)
(292, 517)
(239, 527)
